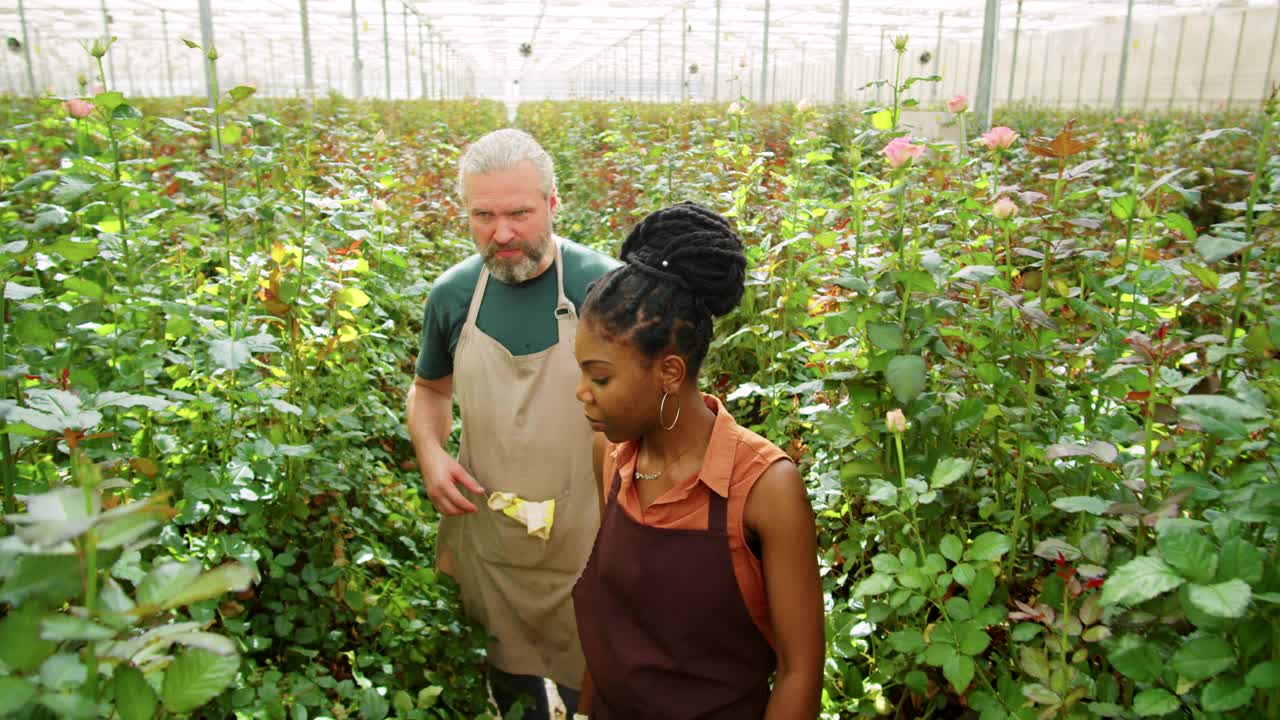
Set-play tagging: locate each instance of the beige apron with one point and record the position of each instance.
(523, 431)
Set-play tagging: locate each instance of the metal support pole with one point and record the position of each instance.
(308, 70)
(1013, 59)
(842, 50)
(404, 30)
(1177, 59)
(273, 82)
(684, 46)
(106, 38)
(1151, 64)
(1102, 79)
(1275, 35)
(422, 65)
(1042, 93)
(1124, 57)
(764, 65)
(660, 22)
(987, 68)
(1062, 78)
(773, 83)
(357, 69)
(715, 63)
(802, 68)
(206, 39)
(386, 52)
(1208, 50)
(640, 73)
(937, 56)
(880, 63)
(431, 63)
(1235, 64)
(168, 64)
(626, 68)
(128, 70)
(1084, 57)
(26, 49)
(1026, 77)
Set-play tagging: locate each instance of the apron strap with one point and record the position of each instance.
(477, 295)
(617, 485)
(717, 512)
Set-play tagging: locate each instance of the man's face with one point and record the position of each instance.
(511, 222)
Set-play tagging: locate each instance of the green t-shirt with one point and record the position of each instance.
(521, 317)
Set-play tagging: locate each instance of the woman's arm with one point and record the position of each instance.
(779, 512)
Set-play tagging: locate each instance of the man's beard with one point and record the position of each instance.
(521, 269)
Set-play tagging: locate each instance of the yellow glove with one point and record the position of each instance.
(538, 517)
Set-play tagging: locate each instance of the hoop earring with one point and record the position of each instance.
(662, 411)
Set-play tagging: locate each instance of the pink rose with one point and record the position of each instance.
(1004, 208)
(900, 151)
(78, 107)
(98, 89)
(999, 138)
(957, 104)
(379, 205)
(895, 421)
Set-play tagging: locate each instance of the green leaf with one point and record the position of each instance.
(1220, 416)
(1034, 662)
(166, 581)
(18, 291)
(949, 470)
(971, 638)
(1139, 580)
(1155, 702)
(75, 251)
(109, 100)
(72, 187)
(874, 585)
(882, 120)
(909, 641)
(372, 705)
(1225, 693)
(353, 296)
(1207, 277)
(951, 547)
(1202, 658)
(240, 92)
(14, 694)
(50, 216)
(1190, 553)
(229, 354)
(231, 134)
(135, 698)
(191, 44)
(1135, 658)
(964, 574)
(1224, 600)
(906, 376)
(178, 125)
(54, 579)
(126, 112)
(1213, 248)
(1122, 207)
(886, 336)
(68, 627)
(197, 677)
(1037, 693)
(23, 649)
(83, 286)
(987, 547)
(959, 671)
(1181, 224)
(1264, 676)
(232, 577)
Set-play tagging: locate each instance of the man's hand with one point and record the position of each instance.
(442, 478)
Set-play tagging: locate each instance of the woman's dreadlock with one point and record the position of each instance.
(683, 266)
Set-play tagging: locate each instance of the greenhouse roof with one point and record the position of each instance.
(560, 37)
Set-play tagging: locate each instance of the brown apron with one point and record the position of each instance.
(664, 628)
(523, 431)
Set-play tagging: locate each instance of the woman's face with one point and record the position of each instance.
(619, 388)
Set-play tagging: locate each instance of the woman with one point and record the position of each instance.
(703, 581)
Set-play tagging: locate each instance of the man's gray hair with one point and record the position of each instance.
(503, 150)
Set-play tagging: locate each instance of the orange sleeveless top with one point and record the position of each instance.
(735, 459)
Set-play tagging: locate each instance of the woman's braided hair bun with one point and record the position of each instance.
(694, 247)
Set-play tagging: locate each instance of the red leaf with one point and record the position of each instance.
(1136, 396)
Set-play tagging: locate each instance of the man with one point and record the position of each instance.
(498, 335)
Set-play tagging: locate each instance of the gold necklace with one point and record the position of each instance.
(650, 477)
